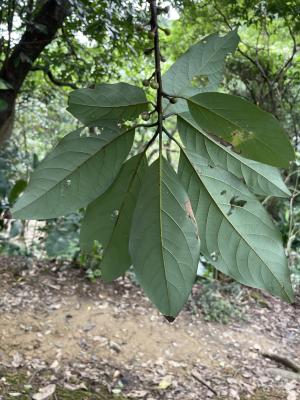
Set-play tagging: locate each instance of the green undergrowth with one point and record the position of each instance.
(220, 301)
(17, 385)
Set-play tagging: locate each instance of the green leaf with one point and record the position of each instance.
(16, 190)
(4, 85)
(200, 69)
(107, 103)
(237, 235)
(262, 179)
(77, 171)
(164, 243)
(108, 219)
(3, 105)
(251, 131)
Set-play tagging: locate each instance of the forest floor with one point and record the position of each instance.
(63, 337)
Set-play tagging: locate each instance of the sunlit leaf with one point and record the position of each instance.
(108, 218)
(262, 179)
(237, 235)
(252, 132)
(164, 242)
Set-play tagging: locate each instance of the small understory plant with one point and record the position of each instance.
(154, 217)
(219, 301)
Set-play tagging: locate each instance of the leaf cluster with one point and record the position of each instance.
(157, 218)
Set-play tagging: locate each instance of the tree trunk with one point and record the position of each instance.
(41, 31)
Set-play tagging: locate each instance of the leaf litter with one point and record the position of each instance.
(58, 330)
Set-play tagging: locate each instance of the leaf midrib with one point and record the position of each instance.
(161, 231)
(110, 106)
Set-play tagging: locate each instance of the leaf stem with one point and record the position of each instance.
(159, 93)
(170, 96)
(145, 125)
(152, 140)
(171, 137)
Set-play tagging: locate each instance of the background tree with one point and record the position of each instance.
(84, 37)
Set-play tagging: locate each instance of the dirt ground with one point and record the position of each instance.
(57, 328)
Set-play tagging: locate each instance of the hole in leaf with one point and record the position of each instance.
(84, 133)
(114, 214)
(238, 203)
(214, 256)
(200, 80)
(223, 192)
(235, 202)
(67, 183)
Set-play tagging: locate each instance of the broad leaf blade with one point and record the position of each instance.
(252, 132)
(74, 174)
(164, 243)
(262, 179)
(107, 103)
(205, 62)
(237, 234)
(108, 219)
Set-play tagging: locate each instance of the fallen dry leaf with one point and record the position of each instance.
(45, 393)
(165, 382)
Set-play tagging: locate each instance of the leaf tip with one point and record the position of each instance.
(169, 318)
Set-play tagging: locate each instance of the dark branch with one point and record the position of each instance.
(283, 361)
(291, 57)
(39, 33)
(37, 36)
(53, 79)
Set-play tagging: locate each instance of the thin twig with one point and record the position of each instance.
(197, 376)
(286, 362)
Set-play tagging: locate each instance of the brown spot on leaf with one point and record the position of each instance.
(190, 214)
(221, 140)
(239, 137)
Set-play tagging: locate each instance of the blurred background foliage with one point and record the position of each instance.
(104, 42)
